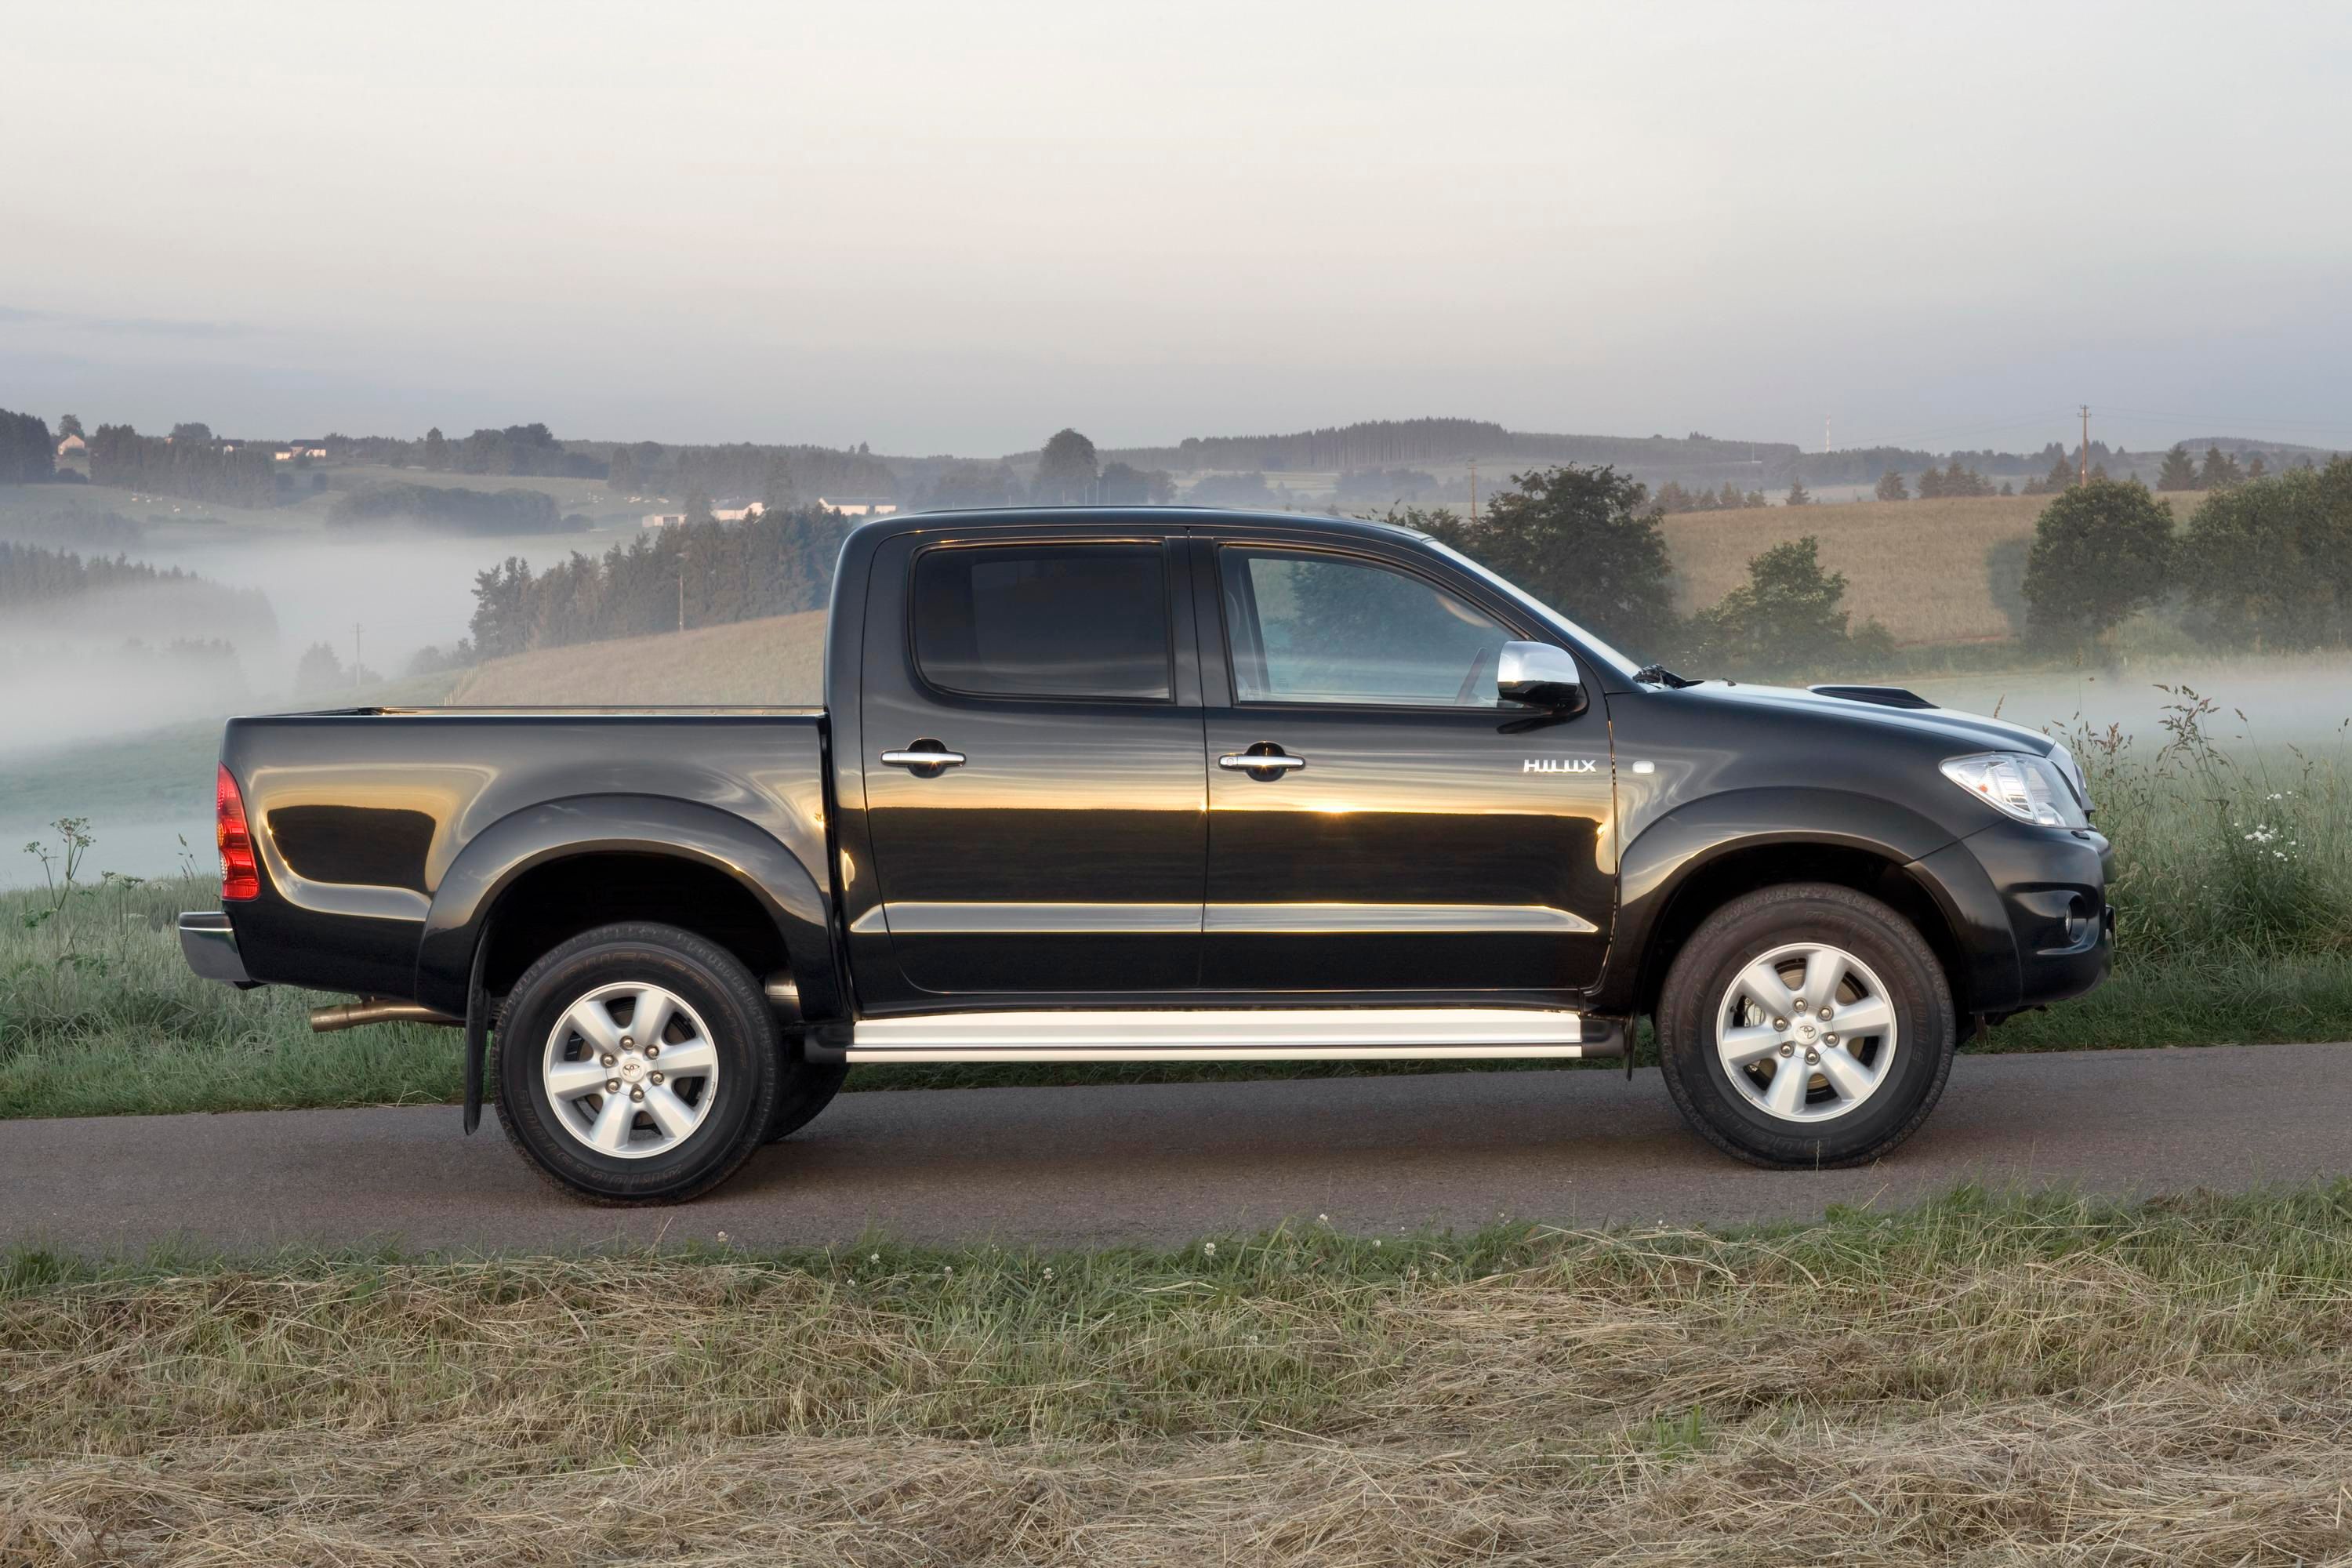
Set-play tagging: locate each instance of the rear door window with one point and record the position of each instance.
(1079, 622)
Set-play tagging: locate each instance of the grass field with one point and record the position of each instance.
(777, 660)
(1982, 1379)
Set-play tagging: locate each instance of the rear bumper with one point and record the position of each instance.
(209, 944)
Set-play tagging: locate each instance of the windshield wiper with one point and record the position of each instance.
(1659, 674)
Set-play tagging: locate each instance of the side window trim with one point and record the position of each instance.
(1170, 564)
(1414, 570)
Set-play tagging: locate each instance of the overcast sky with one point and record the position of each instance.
(958, 227)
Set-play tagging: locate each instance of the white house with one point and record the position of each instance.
(733, 509)
(70, 445)
(662, 520)
(858, 506)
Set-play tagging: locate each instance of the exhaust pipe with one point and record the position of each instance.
(374, 1010)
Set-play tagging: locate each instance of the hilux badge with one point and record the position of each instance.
(1559, 766)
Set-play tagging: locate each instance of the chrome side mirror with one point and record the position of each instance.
(1539, 675)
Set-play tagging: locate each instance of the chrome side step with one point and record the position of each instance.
(1232, 1033)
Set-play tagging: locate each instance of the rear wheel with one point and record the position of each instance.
(637, 1064)
(1806, 1025)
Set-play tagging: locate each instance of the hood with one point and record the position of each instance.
(1963, 731)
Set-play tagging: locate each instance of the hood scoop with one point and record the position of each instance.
(1883, 696)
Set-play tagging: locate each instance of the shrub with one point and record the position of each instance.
(1788, 617)
(2101, 550)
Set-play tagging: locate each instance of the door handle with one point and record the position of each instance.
(1257, 762)
(919, 761)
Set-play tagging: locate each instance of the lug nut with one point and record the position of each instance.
(653, 1050)
(658, 1078)
(607, 1060)
(1800, 1007)
(1829, 1039)
(612, 1085)
(636, 1094)
(1780, 1023)
(1787, 1049)
(627, 1044)
(1811, 1055)
(1824, 1014)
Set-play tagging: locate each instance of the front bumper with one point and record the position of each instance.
(2028, 906)
(209, 944)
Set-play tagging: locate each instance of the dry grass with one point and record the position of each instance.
(1920, 566)
(1980, 1382)
(778, 661)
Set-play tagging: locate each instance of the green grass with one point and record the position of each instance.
(1986, 1378)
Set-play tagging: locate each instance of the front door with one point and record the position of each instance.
(1059, 844)
(1407, 830)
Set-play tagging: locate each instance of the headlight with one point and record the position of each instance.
(2029, 788)
(2071, 770)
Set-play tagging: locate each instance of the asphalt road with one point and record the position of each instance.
(1162, 1163)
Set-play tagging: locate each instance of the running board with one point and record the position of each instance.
(1224, 1033)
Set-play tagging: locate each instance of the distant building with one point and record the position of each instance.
(293, 449)
(858, 506)
(735, 509)
(70, 445)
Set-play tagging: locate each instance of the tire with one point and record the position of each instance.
(1861, 1092)
(706, 1104)
(806, 1088)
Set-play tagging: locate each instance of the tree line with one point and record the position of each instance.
(33, 577)
(28, 456)
(771, 565)
(2264, 564)
(454, 510)
(193, 470)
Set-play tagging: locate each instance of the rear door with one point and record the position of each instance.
(1408, 831)
(1059, 843)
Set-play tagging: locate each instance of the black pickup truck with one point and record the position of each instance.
(1165, 784)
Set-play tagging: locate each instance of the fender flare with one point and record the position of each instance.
(539, 834)
(1683, 842)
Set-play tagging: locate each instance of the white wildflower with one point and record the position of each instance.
(1210, 1247)
(873, 1257)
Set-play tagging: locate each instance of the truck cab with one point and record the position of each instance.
(1165, 783)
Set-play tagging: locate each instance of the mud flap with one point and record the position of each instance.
(477, 1033)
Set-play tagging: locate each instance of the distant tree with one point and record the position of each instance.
(436, 450)
(777, 490)
(2256, 467)
(318, 671)
(2100, 551)
(1123, 484)
(2179, 470)
(191, 430)
(1583, 540)
(28, 456)
(2220, 470)
(69, 425)
(1065, 470)
(698, 509)
(2007, 489)
(621, 473)
(1798, 494)
(1891, 488)
(2061, 475)
(2268, 564)
(1231, 489)
(1789, 615)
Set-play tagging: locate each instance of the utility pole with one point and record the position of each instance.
(2084, 472)
(681, 577)
(355, 656)
(1825, 434)
(1474, 489)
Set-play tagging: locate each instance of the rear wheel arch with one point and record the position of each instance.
(535, 878)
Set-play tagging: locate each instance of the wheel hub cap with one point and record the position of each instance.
(628, 1024)
(1781, 1061)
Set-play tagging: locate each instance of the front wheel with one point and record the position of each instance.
(637, 1064)
(1806, 1024)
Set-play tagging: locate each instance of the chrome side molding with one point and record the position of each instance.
(1232, 1034)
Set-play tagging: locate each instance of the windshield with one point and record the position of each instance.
(1583, 639)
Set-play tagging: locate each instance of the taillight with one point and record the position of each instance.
(240, 874)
